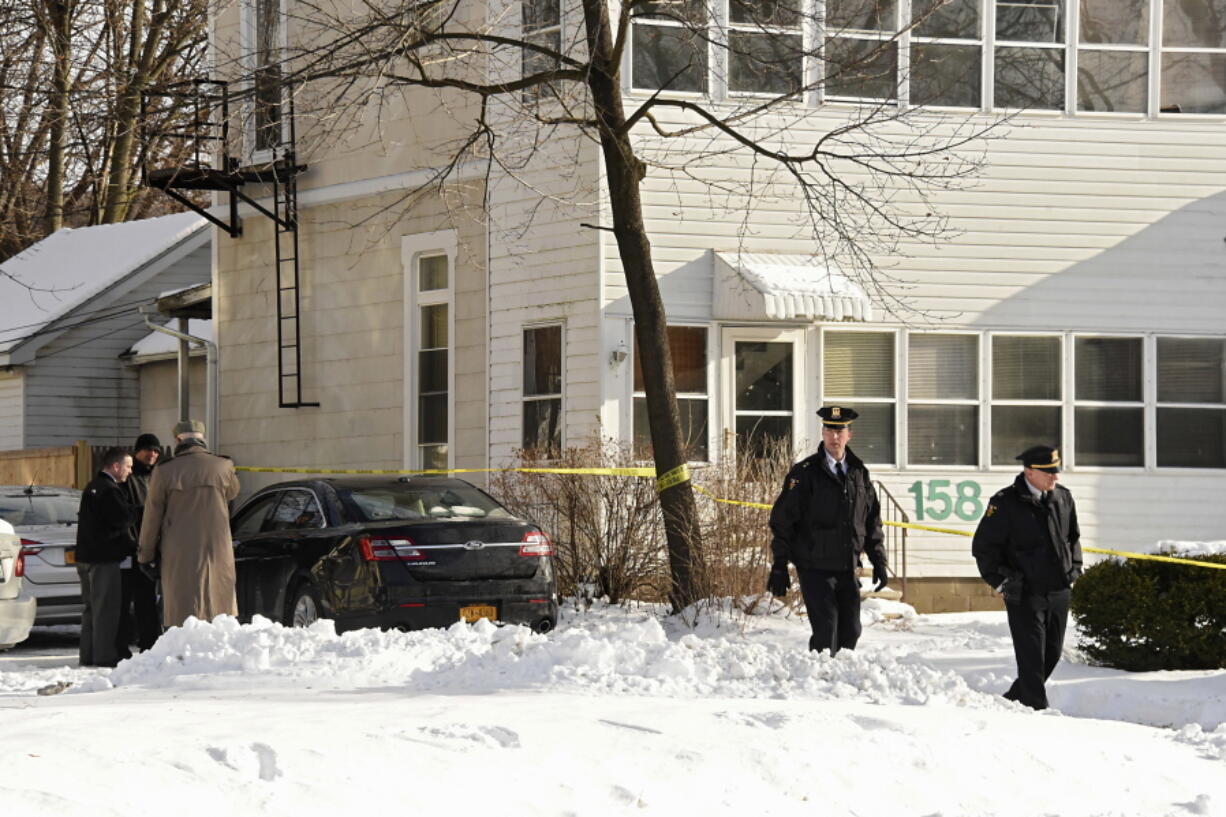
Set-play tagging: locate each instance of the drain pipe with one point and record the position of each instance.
(212, 401)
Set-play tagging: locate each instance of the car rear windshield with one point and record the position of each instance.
(20, 509)
(382, 502)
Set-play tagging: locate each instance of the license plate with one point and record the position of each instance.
(476, 612)
(70, 556)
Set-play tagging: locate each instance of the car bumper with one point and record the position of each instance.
(16, 619)
(538, 612)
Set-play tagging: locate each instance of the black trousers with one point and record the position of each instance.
(832, 601)
(100, 592)
(139, 622)
(1037, 623)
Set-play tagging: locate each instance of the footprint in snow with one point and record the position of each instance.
(258, 760)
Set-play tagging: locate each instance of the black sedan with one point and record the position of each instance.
(407, 553)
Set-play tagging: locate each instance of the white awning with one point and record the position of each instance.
(757, 286)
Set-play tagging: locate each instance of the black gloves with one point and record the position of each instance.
(1011, 587)
(880, 577)
(779, 580)
(150, 569)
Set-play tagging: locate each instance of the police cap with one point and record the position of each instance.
(837, 416)
(1043, 457)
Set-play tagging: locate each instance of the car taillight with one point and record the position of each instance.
(536, 544)
(19, 569)
(26, 543)
(389, 550)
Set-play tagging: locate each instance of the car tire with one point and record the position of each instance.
(304, 608)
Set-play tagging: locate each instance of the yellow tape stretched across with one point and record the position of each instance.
(675, 477)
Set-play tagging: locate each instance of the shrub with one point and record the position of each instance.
(1142, 615)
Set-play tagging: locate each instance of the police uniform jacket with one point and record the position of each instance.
(820, 523)
(104, 522)
(1021, 536)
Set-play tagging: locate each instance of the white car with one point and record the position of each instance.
(16, 610)
(46, 520)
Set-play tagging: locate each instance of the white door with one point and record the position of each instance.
(763, 377)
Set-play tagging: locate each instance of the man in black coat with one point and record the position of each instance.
(104, 539)
(1028, 548)
(139, 617)
(827, 515)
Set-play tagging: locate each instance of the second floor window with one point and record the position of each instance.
(267, 74)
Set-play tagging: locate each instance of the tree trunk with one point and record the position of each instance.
(58, 20)
(625, 172)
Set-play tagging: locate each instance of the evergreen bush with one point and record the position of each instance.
(1141, 615)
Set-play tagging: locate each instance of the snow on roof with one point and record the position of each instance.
(784, 287)
(70, 266)
(157, 344)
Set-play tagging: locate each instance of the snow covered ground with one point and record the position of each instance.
(619, 711)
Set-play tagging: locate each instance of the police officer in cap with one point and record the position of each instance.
(1028, 549)
(827, 515)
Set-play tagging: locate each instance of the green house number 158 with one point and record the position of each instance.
(935, 500)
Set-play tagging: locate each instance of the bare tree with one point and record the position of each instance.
(557, 65)
(71, 74)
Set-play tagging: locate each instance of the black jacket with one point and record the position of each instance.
(104, 522)
(1019, 536)
(136, 486)
(819, 523)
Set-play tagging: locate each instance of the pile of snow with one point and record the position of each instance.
(1174, 547)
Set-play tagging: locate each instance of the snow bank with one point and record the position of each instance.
(614, 655)
(1178, 548)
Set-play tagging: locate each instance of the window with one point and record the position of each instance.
(670, 46)
(1113, 61)
(1191, 419)
(765, 48)
(433, 361)
(858, 369)
(688, 347)
(542, 26)
(250, 520)
(1109, 409)
(946, 53)
(861, 58)
(267, 74)
(1026, 395)
(297, 509)
(1193, 66)
(943, 399)
(542, 430)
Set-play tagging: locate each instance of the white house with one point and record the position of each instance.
(1080, 302)
(68, 311)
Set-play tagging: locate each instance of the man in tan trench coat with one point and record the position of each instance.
(186, 529)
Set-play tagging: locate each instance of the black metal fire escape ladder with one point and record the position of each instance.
(209, 166)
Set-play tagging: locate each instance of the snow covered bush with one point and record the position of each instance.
(1142, 615)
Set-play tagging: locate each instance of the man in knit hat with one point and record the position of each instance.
(138, 610)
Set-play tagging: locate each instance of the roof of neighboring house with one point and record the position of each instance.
(67, 268)
(159, 345)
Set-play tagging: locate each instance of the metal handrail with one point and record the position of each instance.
(895, 537)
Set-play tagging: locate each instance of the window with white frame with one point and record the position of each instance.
(1108, 401)
(1027, 395)
(266, 73)
(946, 53)
(1191, 411)
(858, 369)
(943, 399)
(670, 42)
(939, 53)
(766, 48)
(542, 387)
(861, 49)
(1113, 56)
(1193, 66)
(542, 26)
(433, 361)
(687, 346)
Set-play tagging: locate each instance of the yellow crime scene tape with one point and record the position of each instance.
(676, 476)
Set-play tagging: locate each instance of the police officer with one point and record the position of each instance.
(1028, 549)
(827, 515)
